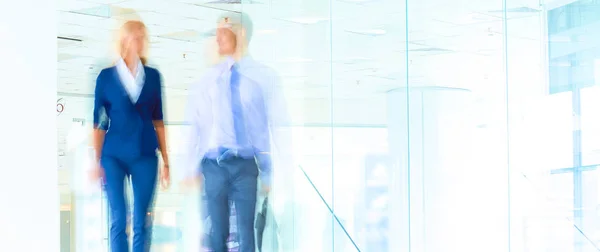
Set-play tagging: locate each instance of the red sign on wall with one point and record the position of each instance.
(60, 106)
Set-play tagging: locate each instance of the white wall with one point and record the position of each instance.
(28, 191)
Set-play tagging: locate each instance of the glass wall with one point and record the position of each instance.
(552, 126)
(417, 125)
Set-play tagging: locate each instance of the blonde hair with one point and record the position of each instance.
(127, 28)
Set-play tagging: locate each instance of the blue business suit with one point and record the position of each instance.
(129, 150)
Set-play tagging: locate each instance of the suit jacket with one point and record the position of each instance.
(130, 131)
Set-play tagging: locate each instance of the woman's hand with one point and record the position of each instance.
(165, 177)
(97, 173)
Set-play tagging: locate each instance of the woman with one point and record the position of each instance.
(128, 128)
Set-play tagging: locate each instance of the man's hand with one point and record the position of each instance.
(165, 177)
(266, 189)
(190, 183)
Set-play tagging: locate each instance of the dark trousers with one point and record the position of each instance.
(143, 172)
(234, 180)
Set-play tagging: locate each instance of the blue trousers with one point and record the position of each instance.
(233, 179)
(143, 173)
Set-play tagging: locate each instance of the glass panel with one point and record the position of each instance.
(457, 126)
(293, 39)
(369, 165)
(551, 69)
(590, 214)
(590, 174)
(84, 200)
(362, 189)
(312, 194)
(590, 125)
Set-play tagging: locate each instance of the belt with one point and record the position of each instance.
(223, 153)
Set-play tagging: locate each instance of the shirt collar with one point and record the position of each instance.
(244, 62)
(123, 67)
(229, 62)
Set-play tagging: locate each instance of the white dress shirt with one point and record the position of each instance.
(132, 84)
(209, 109)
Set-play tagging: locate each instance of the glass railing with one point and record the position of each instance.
(338, 226)
(556, 212)
(310, 222)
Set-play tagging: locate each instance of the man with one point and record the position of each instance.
(232, 116)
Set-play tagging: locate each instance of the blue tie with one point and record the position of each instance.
(236, 109)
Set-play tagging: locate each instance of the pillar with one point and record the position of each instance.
(29, 187)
